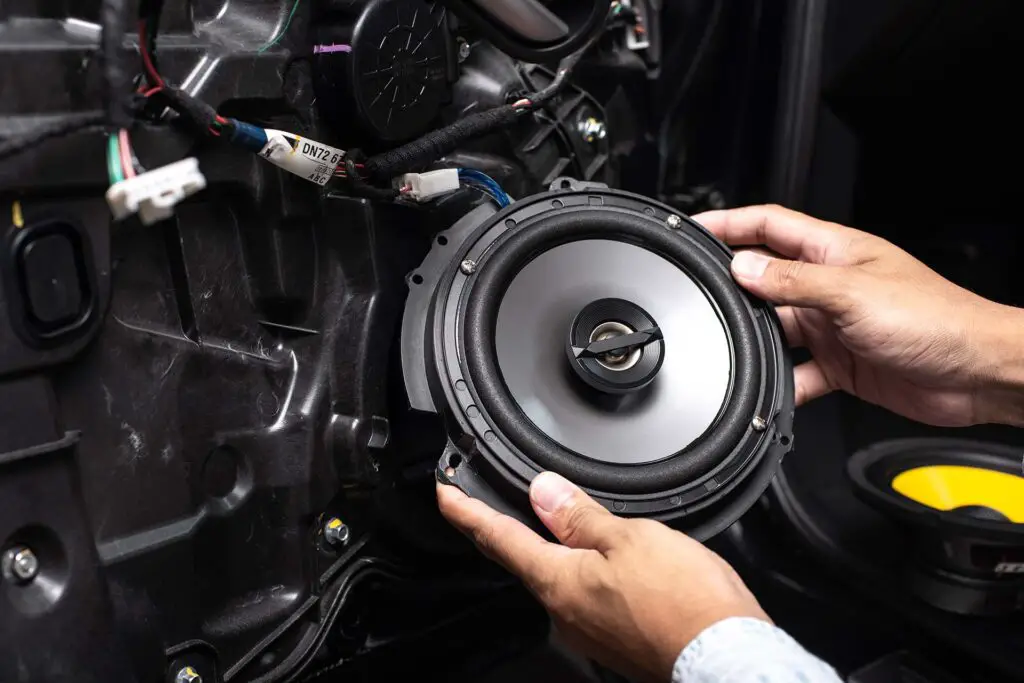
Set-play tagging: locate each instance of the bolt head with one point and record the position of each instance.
(468, 267)
(464, 49)
(674, 222)
(336, 532)
(593, 129)
(20, 564)
(188, 675)
(759, 424)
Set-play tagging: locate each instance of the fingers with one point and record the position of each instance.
(794, 283)
(791, 327)
(786, 232)
(810, 382)
(503, 539)
(572, 516)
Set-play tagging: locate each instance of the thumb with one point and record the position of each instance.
(575, 518)
(793, 283)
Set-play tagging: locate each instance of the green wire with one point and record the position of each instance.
(280, 34)
(114, 160)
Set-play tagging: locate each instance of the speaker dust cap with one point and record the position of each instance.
(598, 334)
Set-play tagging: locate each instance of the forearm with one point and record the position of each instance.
(1000, 386)
(743, 650)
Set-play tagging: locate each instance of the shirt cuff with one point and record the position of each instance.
(747, 650)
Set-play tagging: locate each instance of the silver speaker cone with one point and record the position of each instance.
(534, 320)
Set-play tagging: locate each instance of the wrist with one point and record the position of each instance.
(743, 649)
(999, 392)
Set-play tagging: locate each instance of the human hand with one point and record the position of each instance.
(879, 323)
(629, 593)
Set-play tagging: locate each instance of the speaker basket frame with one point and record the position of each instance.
(482, 461)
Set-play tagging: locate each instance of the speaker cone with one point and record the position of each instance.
(961, 504)
(597, 334)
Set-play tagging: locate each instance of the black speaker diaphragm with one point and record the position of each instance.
(600, 335)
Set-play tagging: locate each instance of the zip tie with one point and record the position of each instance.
(330, 49)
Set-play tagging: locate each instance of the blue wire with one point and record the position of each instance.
(483, 189)
(486, 183)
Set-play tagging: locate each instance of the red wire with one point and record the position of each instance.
(124, 146)
(146, 60)
(152, 91)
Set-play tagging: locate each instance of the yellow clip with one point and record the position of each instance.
(16, 216)
(334, 523)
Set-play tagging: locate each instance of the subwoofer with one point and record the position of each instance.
(961, 505)
(598, 334)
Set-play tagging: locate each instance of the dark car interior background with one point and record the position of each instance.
(271, 268)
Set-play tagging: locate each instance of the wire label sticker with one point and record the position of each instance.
(312, 160)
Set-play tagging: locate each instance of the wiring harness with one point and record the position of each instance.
(435, 145)
(152, 194)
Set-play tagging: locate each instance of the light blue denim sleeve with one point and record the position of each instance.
(744, 650)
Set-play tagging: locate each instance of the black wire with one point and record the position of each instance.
(360, 188)
(57, 129)
(150, 11)
(565, 69)
(113, 57)
(664, 131)
(116, 86)
(436, 144)
(298, 661)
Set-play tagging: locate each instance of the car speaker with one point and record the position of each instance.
(961, 504)
(598, 334)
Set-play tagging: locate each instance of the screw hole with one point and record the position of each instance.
(442, 240)
(454, 460)
(417, 279)
(785, 440)
(557, 204)
(566, 184)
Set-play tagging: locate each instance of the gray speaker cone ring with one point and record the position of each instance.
(673, 412)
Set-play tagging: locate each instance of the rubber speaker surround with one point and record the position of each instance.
(965, 560)
(451, 366)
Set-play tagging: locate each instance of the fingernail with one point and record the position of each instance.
(750, 264)
(550, 491)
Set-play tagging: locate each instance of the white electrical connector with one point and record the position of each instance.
(637, 38)
(154, 194)
(422, 187)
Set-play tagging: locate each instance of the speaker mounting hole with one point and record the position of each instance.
(454, 460)
(442, 240)
(220, 471)
(785, 440)
(417, 279)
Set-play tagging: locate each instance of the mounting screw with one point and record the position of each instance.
(20, 564)
(675, 222)
(468, 267)
(464, 50)
(592, 129)
(188, 675)
(759, 424)
(336, 532)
